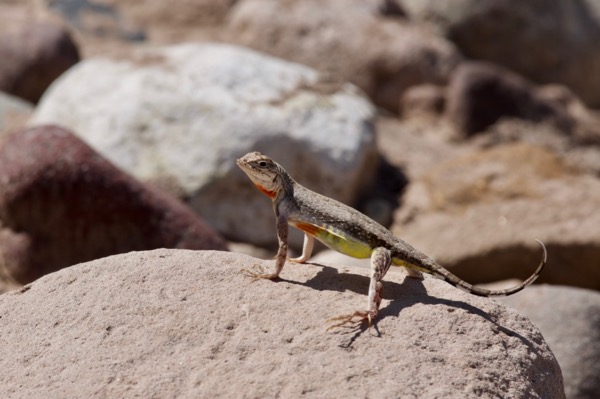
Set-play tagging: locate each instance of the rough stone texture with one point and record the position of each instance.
(14, 113)
(546, 40)
(417, 144)
(176, 12)
(91, 18)
(569, 319)
(183, 114)
(424, 100)
(34, 52)
(580, 146)
(350, 40)
(61, 203)
(173, 323)
(480, 93)
(479, 215)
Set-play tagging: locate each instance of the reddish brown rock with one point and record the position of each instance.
(480, 93)
(34, 52)
(62, 203)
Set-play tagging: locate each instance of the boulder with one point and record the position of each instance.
(479, 214)
(547, 41)
(181, 115)
(349, 40)
(62, 203)
(34, 52)
(578, 146)
(479, 94)
(569, 319)
(188, 324)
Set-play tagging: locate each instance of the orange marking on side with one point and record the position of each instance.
(268, 193)
(308, 228)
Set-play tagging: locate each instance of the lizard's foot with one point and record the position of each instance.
(352, 320)
(258, 272)
(299, 259)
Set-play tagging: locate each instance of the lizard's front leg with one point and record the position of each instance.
(380, 263)
(282, 235)
(307, 248)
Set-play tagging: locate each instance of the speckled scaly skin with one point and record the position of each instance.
(347, 231)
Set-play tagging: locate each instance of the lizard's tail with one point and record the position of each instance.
(471, 289)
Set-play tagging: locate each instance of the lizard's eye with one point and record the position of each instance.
(262, 164)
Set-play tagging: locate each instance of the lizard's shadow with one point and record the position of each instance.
(401, 295)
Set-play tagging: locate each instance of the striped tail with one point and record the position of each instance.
(450, 278)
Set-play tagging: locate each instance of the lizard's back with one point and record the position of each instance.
(344, 229)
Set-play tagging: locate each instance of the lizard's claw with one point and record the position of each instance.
(352, 320)
(258, 272)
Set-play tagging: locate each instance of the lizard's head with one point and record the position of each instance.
(263, 171)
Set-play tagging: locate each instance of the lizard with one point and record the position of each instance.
(348, 231)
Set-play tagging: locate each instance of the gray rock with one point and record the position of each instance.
(350, 40)
(62, 203)
(569, 319)
(183, 114)
(188, 324)
(546, 41)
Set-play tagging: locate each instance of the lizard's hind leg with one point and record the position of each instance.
(307, 248)
(380, 264)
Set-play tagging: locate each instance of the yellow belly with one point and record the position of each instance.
(336, 240)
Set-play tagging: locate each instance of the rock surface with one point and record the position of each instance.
(547, 41)
(34, 52)
(479, 94)
(173, 323)
(569, 319)
(479, 214)
(62, 203)
(14, 113)
(183, 114)
(348, 39)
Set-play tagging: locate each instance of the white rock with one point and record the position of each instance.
(183, 114)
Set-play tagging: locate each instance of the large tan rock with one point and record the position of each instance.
(479, 214)
(174, 323)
